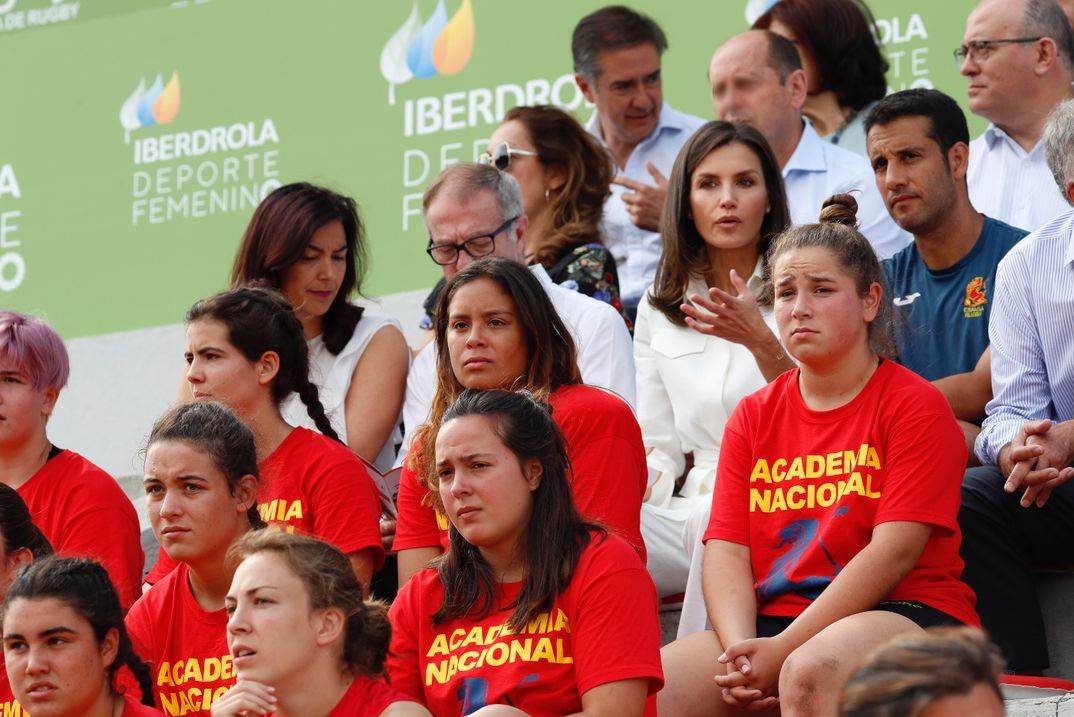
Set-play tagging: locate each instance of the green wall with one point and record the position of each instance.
(110, 223)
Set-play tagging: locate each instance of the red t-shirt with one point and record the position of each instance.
(604, 627)
(85, 514)
(317, 486)
(134, 708)
(184, 644)
(804, 489)
(608, 465)
(367, 696)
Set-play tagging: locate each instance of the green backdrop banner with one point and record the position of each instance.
(138, 136)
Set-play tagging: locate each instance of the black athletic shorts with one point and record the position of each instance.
(922, 615)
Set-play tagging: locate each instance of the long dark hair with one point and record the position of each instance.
(213, 429)
(553, 359)
(578, 206)
(260, 320)
(278, 234)
(684, 255)
(17, 526)
(331, 582)
(556, 534)
(83, 585)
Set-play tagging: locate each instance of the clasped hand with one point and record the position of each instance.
(752, 678)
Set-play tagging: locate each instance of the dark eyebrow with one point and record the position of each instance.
(58, 630)
(484, 314)
(183, 478)
(467, 457)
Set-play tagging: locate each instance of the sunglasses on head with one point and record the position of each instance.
(500, 158)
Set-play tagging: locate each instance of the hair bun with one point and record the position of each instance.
(840, 209)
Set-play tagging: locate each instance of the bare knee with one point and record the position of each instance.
(809, 682)
(499, 711)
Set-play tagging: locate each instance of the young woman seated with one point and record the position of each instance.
(833, 522)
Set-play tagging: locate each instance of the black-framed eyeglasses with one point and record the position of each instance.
(500, 158)
(477, 247)
(980, 50)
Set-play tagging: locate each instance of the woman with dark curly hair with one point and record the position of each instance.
(844, 67)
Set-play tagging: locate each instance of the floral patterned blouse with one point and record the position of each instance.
(590, 269)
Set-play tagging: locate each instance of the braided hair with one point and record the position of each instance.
(260, 320)
(83, 585)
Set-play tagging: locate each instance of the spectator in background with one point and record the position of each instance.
(757, 78)
(725, 205)
(943, 284)
(1019, 506)
(473, 211)
(943, 671)
(81, 509)
(617, 55)
(844, 68)
(1018, 58)
(565, 176)
(308, 243)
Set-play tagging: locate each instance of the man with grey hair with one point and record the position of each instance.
(617, 67)
(473, 211)
(1018, 58)
(1019, 506)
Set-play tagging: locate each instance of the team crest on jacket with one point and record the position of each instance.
(976, 298)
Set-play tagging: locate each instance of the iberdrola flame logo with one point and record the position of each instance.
(439, 46)
(147, 107)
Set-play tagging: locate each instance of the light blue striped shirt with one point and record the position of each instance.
(1032, 334)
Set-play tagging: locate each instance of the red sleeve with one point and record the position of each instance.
(345, 508)
(403, 665)
(926, 458)
(416, 526)
(729, 519)
(140, 629)
(109, 534)
(615, 631)
(161, 568)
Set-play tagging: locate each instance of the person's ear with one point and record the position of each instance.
(585, 87)
(246, 493)
(18, 559)
(110, 647)
(268, 367)
(518, 234)
(871, 302)
(555, 177)
(1047, 54)
(958, 159)
(533, 472)
(328, 625)
(49, 402)
(797, 88)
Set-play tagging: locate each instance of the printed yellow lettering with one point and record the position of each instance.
(873, 460)
(835, 464)
(498, 654)
(436, 672)
(760, 500)
(760, 471)
(456, 638)
(294, 512)
(520, 650)
(777, 469)
(814, 466)
(544, 650)
(797, 469)
(827, 495)
(439, 646)
(474, 638)
(562, 623)
(778, 500)
(795, 501)
(538, 624)
(869, 493)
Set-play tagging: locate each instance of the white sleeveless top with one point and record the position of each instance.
(332, 376)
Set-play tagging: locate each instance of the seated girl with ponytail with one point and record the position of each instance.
(304, 642)
(245, 348)
(201, 495)
(64, 643)
(834, 516)
(23, 542)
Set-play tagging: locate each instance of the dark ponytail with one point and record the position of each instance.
(84, 586)
(260, 320)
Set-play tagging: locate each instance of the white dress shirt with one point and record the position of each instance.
(636, 251)
(819, 169)
(1010, 184)
(1032, 335)
(605, 353)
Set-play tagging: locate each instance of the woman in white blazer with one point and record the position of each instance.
(704, 338)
